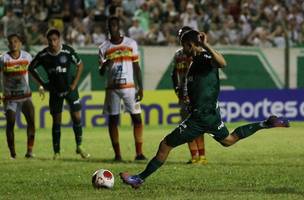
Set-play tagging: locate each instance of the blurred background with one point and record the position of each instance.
(261, 23)
(262, 41)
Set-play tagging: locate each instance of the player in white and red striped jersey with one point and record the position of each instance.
(16, 92)
(119, 61)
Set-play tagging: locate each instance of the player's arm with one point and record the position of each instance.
(79, 70)
(174, 78)
(218, 59)
(34, 72)
(138, 77)
(104, 63)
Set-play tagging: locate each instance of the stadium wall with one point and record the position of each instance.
(248, 68)
(160, 107)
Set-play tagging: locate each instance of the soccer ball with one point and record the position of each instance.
(103, 178)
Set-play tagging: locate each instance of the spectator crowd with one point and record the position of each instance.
(261, 23)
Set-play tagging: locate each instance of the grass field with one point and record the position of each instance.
(269, 165)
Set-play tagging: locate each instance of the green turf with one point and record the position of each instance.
(269, 165)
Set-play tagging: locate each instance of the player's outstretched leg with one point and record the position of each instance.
(136, 181)
(249, 129)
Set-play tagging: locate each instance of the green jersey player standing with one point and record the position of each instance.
(58, 61)
(203, 89)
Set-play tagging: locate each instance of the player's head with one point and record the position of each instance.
(190, 39)
(53, 38)
(182, 30)
(114, 26)
(14, 42)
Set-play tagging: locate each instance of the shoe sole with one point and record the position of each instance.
(126, 182)
(281, 123)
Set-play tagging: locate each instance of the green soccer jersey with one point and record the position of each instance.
(203, 83)
(59, 67)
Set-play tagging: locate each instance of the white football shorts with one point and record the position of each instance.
(15, 105)
(112, 103)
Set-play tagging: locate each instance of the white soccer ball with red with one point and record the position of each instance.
(103, 178)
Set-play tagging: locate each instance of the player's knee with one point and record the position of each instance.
(225, 144)
(113, 120)
(136, 119)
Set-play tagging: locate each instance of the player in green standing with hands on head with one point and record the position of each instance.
(203, 89)
(58, 61)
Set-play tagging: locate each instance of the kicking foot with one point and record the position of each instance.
(134, 181)
(82, 153)
(140, 157)
(274, 121)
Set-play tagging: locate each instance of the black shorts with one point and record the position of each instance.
(198, 123)
(56, 102)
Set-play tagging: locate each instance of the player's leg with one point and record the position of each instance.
(75, 107)
(138, 136)
(193, 152)
(184, 133)
(10, 136)
(249, 129)
(77, 128)
(133, 107)
(192, 146)
(200, 142)
(29, 114)
(55, 104)
(112, 109)
(114, 135)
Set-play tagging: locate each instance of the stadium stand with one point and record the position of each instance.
(261, 23)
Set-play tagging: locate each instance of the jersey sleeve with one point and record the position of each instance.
(75, 57)
(101, 55)
(135, 53)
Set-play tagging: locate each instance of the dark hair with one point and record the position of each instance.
(112, 19)
(182, 30)
(10, 36)
(190, 36)
(52, 31)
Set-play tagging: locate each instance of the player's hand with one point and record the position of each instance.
(202, 38)
(139, 95)
(72, 87)
(41, 92)
(108, 63)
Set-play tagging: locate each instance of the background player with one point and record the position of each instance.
(16, 92)
(58, 61)
(203, 89)
(119, 60)
(180, 63)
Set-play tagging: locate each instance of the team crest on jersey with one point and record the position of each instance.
(63, 59)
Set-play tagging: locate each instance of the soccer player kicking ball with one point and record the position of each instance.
(17, 92)
(203, 89)
(57, 60)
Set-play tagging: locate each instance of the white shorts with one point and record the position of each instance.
(112, 103)
(14, 105)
